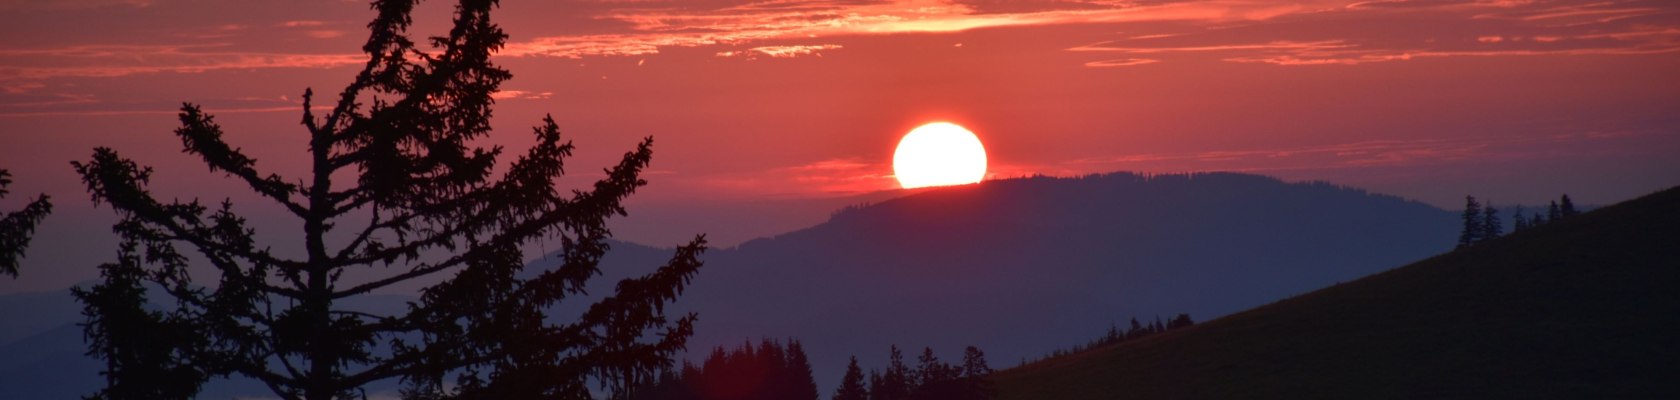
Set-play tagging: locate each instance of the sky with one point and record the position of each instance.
(766, 115)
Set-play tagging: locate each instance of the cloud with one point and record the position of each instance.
(520, 95)
(104, 61)
(780, 51)
(830, 177)
(1120, 62)
(1363, 154)
(1309, 32)
(323, 33)
(1534, 41)
(20, 88)
(1282, 45)
(302, 23)
(22, 98)
(1575, 14)
(1353, 57)
(650, 29)
(100, 113)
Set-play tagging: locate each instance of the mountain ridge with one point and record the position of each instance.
(1579, 308)
(984, 264)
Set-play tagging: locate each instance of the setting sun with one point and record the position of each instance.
(939, 154)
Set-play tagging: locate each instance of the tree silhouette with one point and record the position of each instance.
(1492, 226)
(769, 371)
(1473, 230)
(851, 385)
(931, 380)
(932, 375)
(422, 209)
(976, 375)
(801, 383)
(1181, 321)
(17, 227)
(1554, 212)
(1567, 207)
(876, 382)
(1518, 221)
(897, 382)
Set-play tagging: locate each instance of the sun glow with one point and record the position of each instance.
(939, 154)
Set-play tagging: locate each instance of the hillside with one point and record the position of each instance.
(1583, 308)
(1022, 266)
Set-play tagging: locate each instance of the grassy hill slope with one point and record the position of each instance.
(1588, 307)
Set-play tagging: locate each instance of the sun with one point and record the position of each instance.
(939, 154)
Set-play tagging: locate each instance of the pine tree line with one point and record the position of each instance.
(768, 371)
(1117, 335)
(930, 380)
(1482, 222)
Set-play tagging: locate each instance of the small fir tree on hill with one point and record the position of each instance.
(1492, 226)
(1567, 207)
(1473, 220)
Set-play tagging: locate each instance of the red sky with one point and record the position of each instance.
(1512, 100)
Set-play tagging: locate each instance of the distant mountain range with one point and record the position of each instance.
(1018, 267)
(1581, 308)
(1022, 266)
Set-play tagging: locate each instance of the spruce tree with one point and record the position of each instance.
(1472, 223)
(976, 375)
(1518, 221)
(17, 227)
(1554, 212)
(1492, 226)
(1567, 208)
(930, 371)
(876, 383)
(851, 385)
(771, 362)
(801, 384)
(393, 172)
(896, 382)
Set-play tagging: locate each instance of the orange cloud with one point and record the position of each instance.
(780, 51)
(1364, 154)
(652, 29)
(520, 95)
(832, 177)
(105, 61)
(97, 113)
(324, 34)
(1636, 40)
(1121, 62)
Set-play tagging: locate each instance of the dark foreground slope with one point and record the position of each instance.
(1587, 307)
